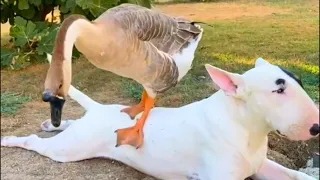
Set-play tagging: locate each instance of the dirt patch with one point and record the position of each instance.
(218, 11)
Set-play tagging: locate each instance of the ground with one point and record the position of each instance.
(284, 33)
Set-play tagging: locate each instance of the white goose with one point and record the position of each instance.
(152, 48)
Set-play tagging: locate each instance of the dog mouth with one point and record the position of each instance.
(280, 135)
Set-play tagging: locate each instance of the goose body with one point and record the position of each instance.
(150, 47)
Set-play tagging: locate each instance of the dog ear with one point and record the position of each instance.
(228, 82)
(261, 62)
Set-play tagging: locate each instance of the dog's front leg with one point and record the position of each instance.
(48, 127)
(271, 170)
(225, 166)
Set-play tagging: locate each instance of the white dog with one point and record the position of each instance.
(221, 137)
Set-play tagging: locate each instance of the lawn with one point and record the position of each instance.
(289, 39)
(286, 34)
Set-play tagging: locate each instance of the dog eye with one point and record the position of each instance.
(60, 86)
(280, 90)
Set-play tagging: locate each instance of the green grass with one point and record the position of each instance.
(290, 40)
(11, 102)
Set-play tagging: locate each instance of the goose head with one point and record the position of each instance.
(57, 84)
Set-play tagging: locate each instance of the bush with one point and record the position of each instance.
(32, 36)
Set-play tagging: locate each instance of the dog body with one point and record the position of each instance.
(221, 137)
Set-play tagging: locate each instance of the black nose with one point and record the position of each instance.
(315, 129)
(47, 96)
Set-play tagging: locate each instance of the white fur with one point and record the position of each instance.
(220, 137)
(185, 58)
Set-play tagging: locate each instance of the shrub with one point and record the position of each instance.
(32, 35)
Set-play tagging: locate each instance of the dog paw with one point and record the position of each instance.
(46, 125)
(5, 140)
(303, 176)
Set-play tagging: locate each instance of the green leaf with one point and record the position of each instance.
(46, 44)
(23, 34)
(28, 13)
(21, 62)
(18, 33)
(70, 4)
(41, 25)
(23, 4)
(100, 6)
(54, 27)
(31, 30)
(144, 3)
(84, 4)
(63, 9)
(7, 55)
(35, 2)
(20, 21)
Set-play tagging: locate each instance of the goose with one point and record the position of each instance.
(150, 47)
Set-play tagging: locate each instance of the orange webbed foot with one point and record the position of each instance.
(134, 135)
(136, 109)
(133, 110)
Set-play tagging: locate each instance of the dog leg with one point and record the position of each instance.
(48, 127)
(271, 170)
(85, 101)
(33, 143)
(58, 148)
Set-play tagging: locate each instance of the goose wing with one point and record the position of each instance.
(167, 34)
(159, 37)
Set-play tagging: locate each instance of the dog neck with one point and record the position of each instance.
(236, 116)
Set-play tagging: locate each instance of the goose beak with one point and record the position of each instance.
(56, 105)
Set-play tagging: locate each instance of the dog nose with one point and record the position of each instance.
(315, 129)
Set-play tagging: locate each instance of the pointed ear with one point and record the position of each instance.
(228, 82)
(260, 62)
(49, 58)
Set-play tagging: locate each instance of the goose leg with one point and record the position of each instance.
(136, 109)
(134, 135)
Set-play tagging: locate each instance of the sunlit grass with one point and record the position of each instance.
(290, 40)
